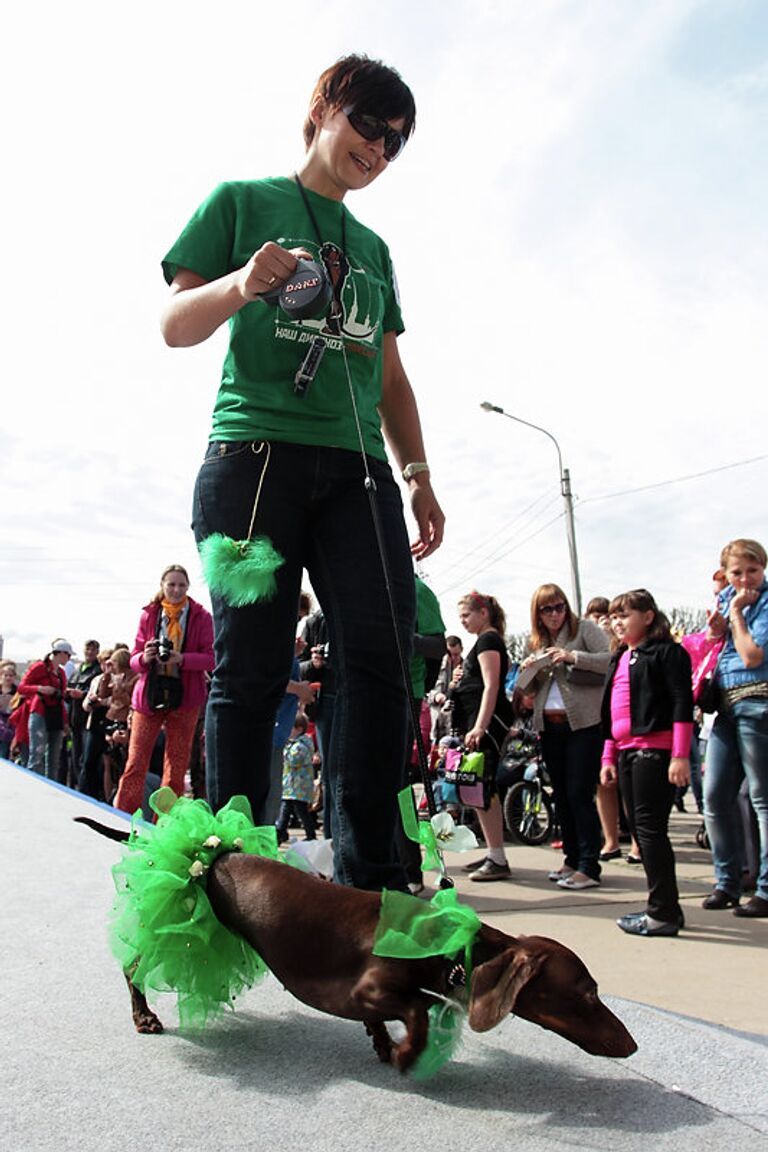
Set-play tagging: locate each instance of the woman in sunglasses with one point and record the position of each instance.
(574, 657)
(295, 445)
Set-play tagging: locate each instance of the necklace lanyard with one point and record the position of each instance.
(313, 218)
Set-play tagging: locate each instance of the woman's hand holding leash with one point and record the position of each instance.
(268, 268)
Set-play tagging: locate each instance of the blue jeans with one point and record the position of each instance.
(44, 747)
(573, 762)
(738, 747)
(315, 509)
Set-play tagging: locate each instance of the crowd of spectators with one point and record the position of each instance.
(79, 722)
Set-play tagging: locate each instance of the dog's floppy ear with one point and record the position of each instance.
(496, 985)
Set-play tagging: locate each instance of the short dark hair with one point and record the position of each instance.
(371, 86)
(641, 600)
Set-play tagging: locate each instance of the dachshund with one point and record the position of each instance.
(318, 937)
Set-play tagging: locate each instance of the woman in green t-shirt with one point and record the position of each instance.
(295, 466)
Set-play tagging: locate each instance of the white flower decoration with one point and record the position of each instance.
(450, 837)
(196, 869)
(212, 842)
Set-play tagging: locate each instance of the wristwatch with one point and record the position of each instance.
(412, 470)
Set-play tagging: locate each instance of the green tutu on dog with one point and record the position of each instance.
(163, 930)
(167, 938)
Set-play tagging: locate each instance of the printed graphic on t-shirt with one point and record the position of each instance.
(356, 310)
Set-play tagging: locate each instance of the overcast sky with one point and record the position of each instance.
(579, 231)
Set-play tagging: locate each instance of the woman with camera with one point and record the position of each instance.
(172, 653)
(44, 685)
(297, 456)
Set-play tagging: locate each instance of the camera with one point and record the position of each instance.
(164, 649)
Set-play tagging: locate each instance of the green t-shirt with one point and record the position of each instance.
(256, 399)
(429, 622)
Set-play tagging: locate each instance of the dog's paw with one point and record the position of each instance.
(147, 1023)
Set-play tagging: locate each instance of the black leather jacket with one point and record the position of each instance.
(660, 692)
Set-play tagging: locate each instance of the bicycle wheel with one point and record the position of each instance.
(528, 813)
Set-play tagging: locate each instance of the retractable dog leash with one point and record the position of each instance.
(371, 490)
(334, 321)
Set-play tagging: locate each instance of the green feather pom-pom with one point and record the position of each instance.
(240, 571)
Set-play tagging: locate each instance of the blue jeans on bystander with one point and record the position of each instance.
(44, 747)
(737, 747)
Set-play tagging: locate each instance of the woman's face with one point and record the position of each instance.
(175, 586)
(552, 615)
(473, 620)
(743, 572)
(351, 161)
(60, 658)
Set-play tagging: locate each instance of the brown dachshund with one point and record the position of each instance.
(317, 938)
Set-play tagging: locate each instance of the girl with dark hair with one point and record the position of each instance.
(173, 650)
(570, 656)
(648, 713)
(482, 716)
(296, 452)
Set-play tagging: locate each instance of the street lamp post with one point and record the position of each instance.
(565, 488)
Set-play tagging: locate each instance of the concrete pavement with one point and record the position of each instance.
(75, 1074)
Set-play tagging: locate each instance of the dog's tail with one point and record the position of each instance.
(103, 829)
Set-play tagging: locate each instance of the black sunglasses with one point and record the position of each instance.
(551, 609)
(373, 128)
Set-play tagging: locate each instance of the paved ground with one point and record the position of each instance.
(75, 1075)
(715, 970)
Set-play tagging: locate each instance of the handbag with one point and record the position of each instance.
(466, 772)
(164, 693)
(583, 677)
(706, 691)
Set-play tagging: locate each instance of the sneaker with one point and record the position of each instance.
(474, 865)
(645, 926)
(489, 870)
(630, 916)
(560, 874)
(577, 881)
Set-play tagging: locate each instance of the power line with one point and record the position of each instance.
(677, 480)
(503, 556)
